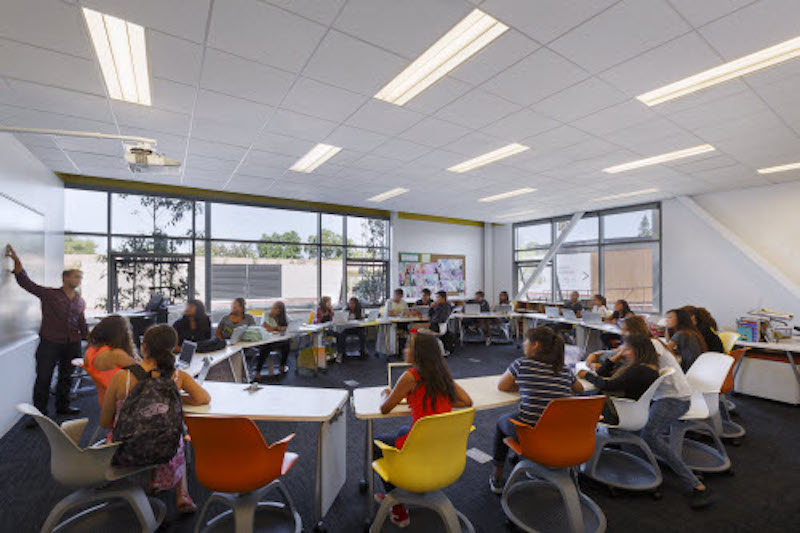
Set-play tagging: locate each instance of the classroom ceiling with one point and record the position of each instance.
(242, 88)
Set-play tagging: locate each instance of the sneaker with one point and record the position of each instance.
(700, 498)
(496, 485)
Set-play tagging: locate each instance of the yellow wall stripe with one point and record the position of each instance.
(441, 220)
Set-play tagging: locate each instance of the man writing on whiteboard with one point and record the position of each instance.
(63, 327)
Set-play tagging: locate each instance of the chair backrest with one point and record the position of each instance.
(708, 372)
(633, 414)
(564, 435)
(435, 452)
(70, 465)
(728, 339)
(231, 454)
(727, 385)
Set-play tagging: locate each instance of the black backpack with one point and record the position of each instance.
(210, 345)
(150, 422)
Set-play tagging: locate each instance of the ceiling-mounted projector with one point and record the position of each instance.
(142, 158)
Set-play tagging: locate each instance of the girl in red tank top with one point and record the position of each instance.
(429, 389)
(110, 349)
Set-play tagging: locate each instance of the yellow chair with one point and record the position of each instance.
(258, 314)
(433, 457)
(728, 339)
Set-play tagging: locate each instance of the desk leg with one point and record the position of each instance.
(790, 356)
(368, 472)
(318, 525)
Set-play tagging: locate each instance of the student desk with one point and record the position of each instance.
(228, 364)
(293, 404)
(763, 370)
(512, 316)
(584, 329)
(366, 403)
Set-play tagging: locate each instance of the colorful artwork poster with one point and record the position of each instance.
(450, 269)
(429, 269)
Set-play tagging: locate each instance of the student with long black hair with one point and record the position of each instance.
(429, 389)
(276, 321)
(540, 376)
(237, 317)
(621, 311)
(707, 326)
(194, 325)
(110, 350)
(354, 312)
(683, 338)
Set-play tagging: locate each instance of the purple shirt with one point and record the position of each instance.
(62, 318)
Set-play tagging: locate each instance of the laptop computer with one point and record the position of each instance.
(552, 312)
(395, 370)
(472, 309)
(423, 310)
(592, 318)
(569, 313)
(340, 317)
(188, 348)
(505, 308)
(373, 314)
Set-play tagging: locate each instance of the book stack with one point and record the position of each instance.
(749, 329)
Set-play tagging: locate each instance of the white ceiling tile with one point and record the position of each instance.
(556, 138)
(537, 76)
(174, 59)
(352, 64)
(259, 159)
(239, 77)
(383, 117)
(324, 101)
(544, 20)
(216, 150)
(62, 29)
(439, 160)
(401, 150)
(407, 28)
(616, 117)
(300, 126)
(350, 138)
(31, 118)
(139, 116)
(109, 147)
(31, 140)
(250, 185)
(438, 95)
(700, 13)
(55, 100)
(29, 63)
(434, 132)
(182, 18)
(225, 132)
(322, 12)
(377, 164)
(474, 144)
(223, 108)
(263, 33)
(579, 100)
(719, 112)
(172, 96)
(620, 33)
(281, 144)
(501, 54)
(477, 109)
(519, 125)
(209, 164)
(754, 27)
(174, 146)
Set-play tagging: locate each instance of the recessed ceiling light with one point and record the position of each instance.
(519, 213)
(490, 157)
(781, 168)
(727, 71)
(509, 194)
(122, 52)
(388, 194)
(466, 39)
(315, 157)
(624, 195)
(656, 159)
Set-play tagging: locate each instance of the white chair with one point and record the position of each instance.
(618, 468)
(89, 473)
(440, 334)
(706, 376)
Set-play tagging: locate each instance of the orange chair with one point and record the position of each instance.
(563, 438)
(727, 428)
(233, 460)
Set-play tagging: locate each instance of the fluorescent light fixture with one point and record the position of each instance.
(315, 157)
(489, 157)
(781, 168)
(663, 158)
(509, 194)
(388, 194)
(519, 213)
(466, 39)
(727, 71)
(122, 52)
(625, 195)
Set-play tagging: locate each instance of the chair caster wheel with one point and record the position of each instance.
(319, 527)
(656, 495)
(362, 486)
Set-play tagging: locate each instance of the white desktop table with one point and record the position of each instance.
(295, 404)
(769, 379)
(366, 403)
(584, 327)
(233, 355)
(512, 316)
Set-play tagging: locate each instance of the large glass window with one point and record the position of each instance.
(613, 252)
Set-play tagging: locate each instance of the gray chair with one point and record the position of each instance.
(622, 468)
(89, 473)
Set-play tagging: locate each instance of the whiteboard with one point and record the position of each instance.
(23, 228)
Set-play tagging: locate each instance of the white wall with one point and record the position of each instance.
(701, 267)
(439, 238)
(25, 179)
(502, 270)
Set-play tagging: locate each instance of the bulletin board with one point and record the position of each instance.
(436, 272)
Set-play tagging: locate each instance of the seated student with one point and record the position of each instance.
(483, 323)
(440, 314)
(354, 312)
(639, 371)
(276, 321)
(502, 301)
(194, 325)
(707, 326)
(429, 389)
(158, 360)
(633, 325)
(683, 337)
(396, 306)
(621, 311)
(540, 376)
(574, 303)
(324, 312)
(599, 306)
(237, 317)
(426, 298)
(110, 350)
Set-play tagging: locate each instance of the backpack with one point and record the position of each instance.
(150, 422)
(210, 345)
(252, 333)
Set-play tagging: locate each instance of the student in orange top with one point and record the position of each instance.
(110, 350)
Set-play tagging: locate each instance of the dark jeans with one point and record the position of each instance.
(505, 428)
(390, 439)
(263, 352)
(48, 356)
(663, 413)
(341, 340)
(609, 340)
